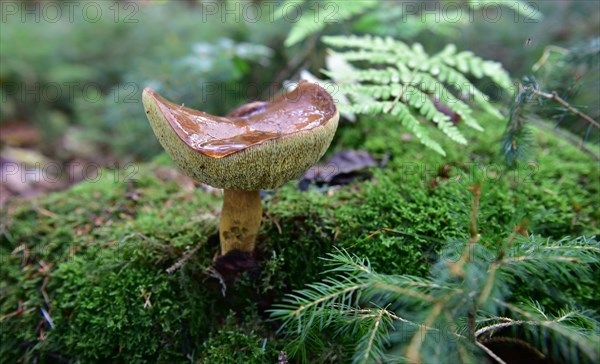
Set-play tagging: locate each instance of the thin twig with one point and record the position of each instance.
(215, 274)
(300, 61)
(275, 222)
(474, 211)
(374, 333)
(457, 268)
(404, 292)
(499, 318)
(184, 259)
(526, 258)
(18, 312)
(554, 96)
(546, 55)
(490, 353)
(500, 326)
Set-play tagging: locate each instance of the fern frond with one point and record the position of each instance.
(407, 120)
(415, 94)
(285, 4)
(411, 94)
(446, 98)
(468, 63)
(317, 16)
(422, 102)
(390, 77)
(379, 76)
(457, 80)
(367, 43)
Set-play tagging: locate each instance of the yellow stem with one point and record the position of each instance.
(240, 220)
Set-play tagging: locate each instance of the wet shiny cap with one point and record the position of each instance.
(305, 108)
(260, 145)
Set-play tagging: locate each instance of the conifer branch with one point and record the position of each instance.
(356, 301)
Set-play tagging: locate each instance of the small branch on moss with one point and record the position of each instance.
(474, 211)
(22, 248)
(184, 259)
(44, 293)
(457, 268)
(215, 274)
(18, 312)
(275, 222)
(554, 96)
(499, 326)
(546, 55)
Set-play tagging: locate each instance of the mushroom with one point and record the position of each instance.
(260, 145)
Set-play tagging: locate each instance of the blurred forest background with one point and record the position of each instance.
(82, 269)
(71, 77)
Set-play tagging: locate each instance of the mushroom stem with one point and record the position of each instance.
(240, 220)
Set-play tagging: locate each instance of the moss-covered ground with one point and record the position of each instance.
(92, 260)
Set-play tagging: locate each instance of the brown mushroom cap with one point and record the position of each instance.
(260, 145)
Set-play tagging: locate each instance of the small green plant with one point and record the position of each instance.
(455, 314)
(555, 94)
(395, 79)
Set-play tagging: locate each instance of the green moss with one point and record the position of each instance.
(105, 246)
(125, 314)
(411, 209)
(95, 256)
(236, 342)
